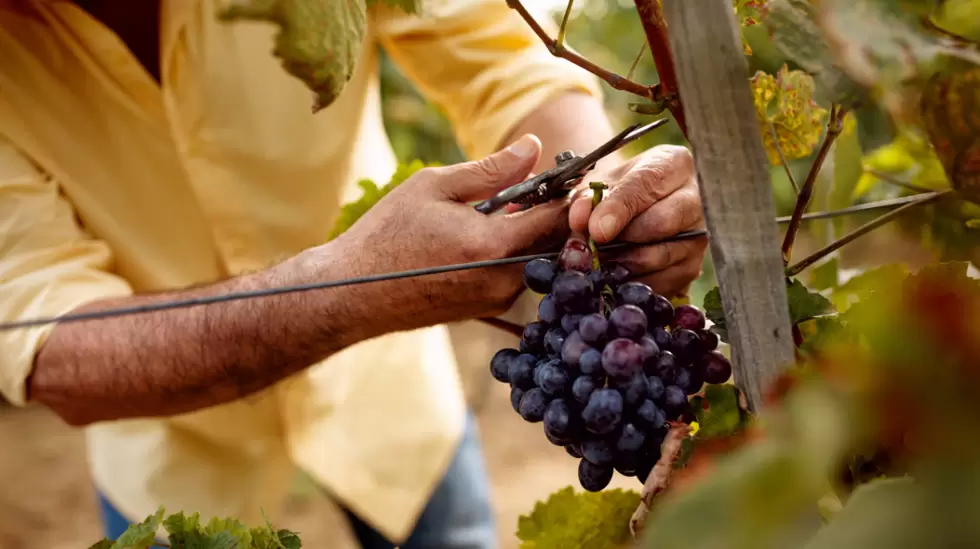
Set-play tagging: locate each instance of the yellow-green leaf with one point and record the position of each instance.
(583, 520)
(784, 103)
(351, 212)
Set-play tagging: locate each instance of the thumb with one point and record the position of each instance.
(481, 179)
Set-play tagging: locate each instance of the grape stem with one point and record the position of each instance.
(606, 294)
(659, 478)
(655, 26)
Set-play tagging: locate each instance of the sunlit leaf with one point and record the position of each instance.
(949, 103)
(584, 520)
(785, 102)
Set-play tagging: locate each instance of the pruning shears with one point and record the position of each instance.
(568, 171)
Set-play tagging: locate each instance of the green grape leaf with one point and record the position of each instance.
(351, 212)
(318, 41)
(796, 35)
(784, 104)
(583, 520)
(883, 45)
(714, 312)
(822, 331)
(909, 158)
(719, 412)
(178, 523)
(825, 275)
(886, 278)
(749, 13)
(142, 535)
(232, 527)
(804, 303)
(959, 17)
(103, 544)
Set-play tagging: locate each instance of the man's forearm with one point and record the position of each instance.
(180, 360)
(573, 120)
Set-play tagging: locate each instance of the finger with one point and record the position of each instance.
(542, 227)
(481, 179)
(676, 279)
(652, 259)
(579, 212)
(664, 170)
(680, 211)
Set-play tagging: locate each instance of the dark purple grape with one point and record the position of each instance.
(597, 278)
(675, 398)
(533, 404)
(598, 451)
(634, 293)
(558, 419)
(571, 351)
(686, 344)
(532, 341)
(552, 378)
(594, 328)
(709, 340)
(554, 339)
(683, 379)
(714, 368)
(548, 310)
(538, 275)
(616, 274)
(569, 322)
(571, 288)
(515, 398)
(688, 316)
(694, 382)
(648, 413)
(667, 366)
(655, 389)
(572, 450)
(643, 470)
(651, 352)
(594, 477)
(604, 411)
(500, 364)
(575, 256)
(582, 388)
(630, 439)
(622, 357)
(659, 311)
(626, 463)
(661, 336)
(628, 321)
(590, 362)
(555, 439)
(634, 390)
(521, 372)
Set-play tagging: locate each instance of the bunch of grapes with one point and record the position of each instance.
(607, 364)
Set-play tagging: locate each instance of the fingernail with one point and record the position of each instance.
(524, 147)
(607, 225)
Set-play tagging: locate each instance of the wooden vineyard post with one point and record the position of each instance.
(712, 77)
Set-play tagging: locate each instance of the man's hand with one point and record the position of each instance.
(652, 196)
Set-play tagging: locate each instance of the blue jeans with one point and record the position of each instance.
(457, 516)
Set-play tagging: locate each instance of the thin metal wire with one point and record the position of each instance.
(237, 296)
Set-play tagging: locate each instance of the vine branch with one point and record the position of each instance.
(559, 50)
(835, 124)
(655, 26)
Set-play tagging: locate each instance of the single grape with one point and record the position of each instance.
(533, 404)
(538, 275)
(683, 380)
(643, 470)
(661, 336)
(675, 398)
(575, 256)
(554, 339)
(594, 328)
(582, 388)
(655, 388)
(571, 351)
(558, 418)
(686, 344)
(622, 357)
(597, 278)
(552, 378)
(659, 311)
(555, 439)
(688, 316)
(647, 413)
(570, 322)
(714, 368)
(694, 382)
(630, 439)
(635, 390)
(532, 341)
(521, 372)
(628, 321)
(572, 450)
(626, 463)
(604, 411)
(709, 340)
(616, 274)
(634, 293)
(515, 398)
(571, 288)
(651, 352)
(590, 362)
(548, 310)
(667, 367)
(597, 451)
(500, 364)
(594, 477)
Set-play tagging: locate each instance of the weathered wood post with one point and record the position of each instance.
(712, 79)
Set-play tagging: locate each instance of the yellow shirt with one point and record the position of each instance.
(111, 184)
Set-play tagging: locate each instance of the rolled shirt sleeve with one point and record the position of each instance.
(48, 265)
(481, 63)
